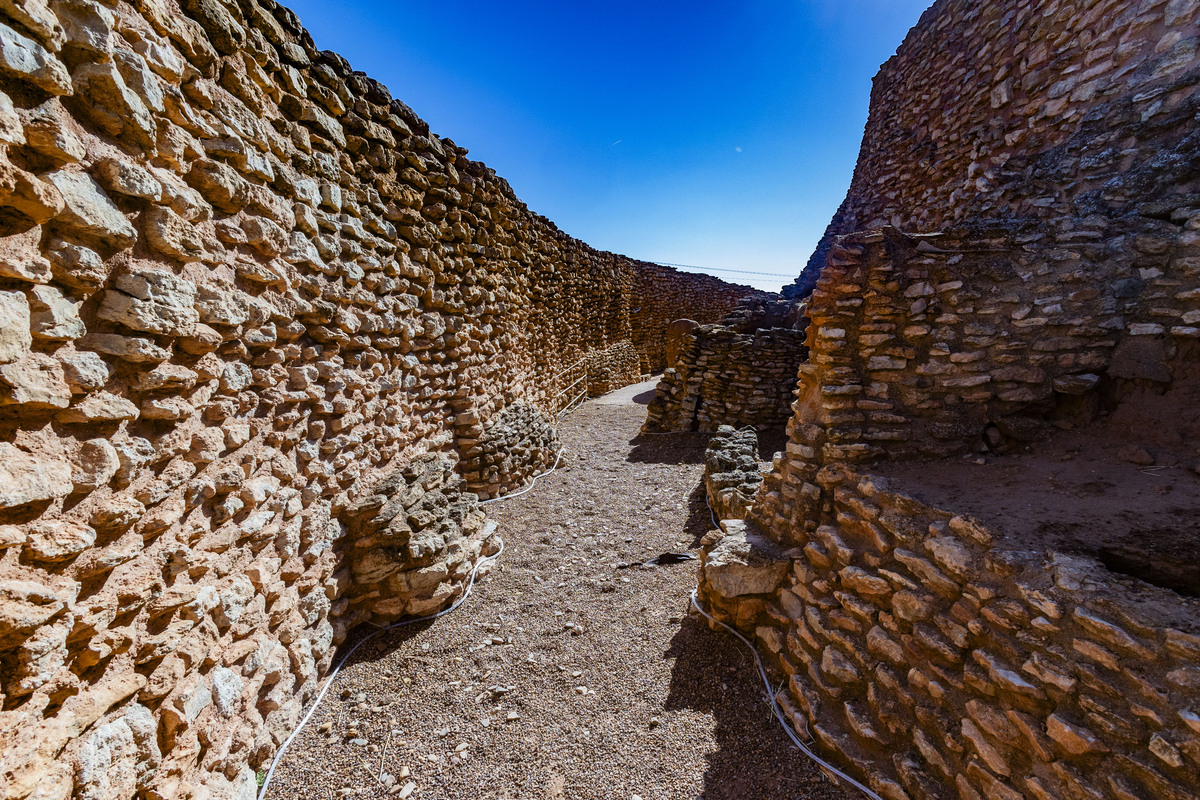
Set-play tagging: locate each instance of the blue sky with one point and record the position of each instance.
(719, 134)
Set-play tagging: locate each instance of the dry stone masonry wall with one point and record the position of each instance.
(739, 372)
(1018, 249)
(251, 313)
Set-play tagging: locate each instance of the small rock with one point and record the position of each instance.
(1134, 454)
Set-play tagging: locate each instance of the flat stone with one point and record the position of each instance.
(84, 370)
(35, 382)
(54, 316)
(89, 211)
(46, 130)
(23, 58)
(744, 562)
(99, 407)
(15, 320)
(1074, 739)
(95, 465)
(125, 177)
(76, 266)
(128, 348)
(25, 192)
(113, 106)
(58, 539)
(24, 605)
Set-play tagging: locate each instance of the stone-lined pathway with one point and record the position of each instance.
(563, 675)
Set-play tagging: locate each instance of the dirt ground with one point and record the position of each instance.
(568, 673)
(1124, 489)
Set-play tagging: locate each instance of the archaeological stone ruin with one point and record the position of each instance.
(267, 343)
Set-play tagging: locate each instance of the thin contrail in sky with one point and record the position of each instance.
(617, 142)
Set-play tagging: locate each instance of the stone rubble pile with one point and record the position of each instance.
(241, 288)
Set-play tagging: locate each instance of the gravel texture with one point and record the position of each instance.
(568, 673)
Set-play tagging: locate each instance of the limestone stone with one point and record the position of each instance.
(113, 106)
(25, 267)
(53, 316)
(170, 234)
(83, 370)
(76, 266)
(744, 563)
(12, 131)
(35, 382)
(151, 300)
(25, 59)
(117, 515)
(15, 321)
(128, 348)
(58, 539)
(25, 606)
(37, 200)
(99, 407)
(46, 130)
(95, 465)
(88, 210)
(122, 176)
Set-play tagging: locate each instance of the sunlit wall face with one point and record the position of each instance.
(690, 133)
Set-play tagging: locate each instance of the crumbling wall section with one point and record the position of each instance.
(242, 289)
(932, 663)
(739, 372)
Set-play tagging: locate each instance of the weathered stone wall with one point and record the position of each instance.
(243, 291)
(932, 663)
(1041, 111)
(1022, 235)
(731, 471)
(663, 295)
(739, 372)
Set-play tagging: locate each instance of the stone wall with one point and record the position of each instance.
(739, 372)
(933, 663)
(664, 295)
(1041, 111)
(1020, 243)
(245, 295)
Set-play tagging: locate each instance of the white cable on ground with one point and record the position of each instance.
(527, 488)
(778, 712)
(329, 681)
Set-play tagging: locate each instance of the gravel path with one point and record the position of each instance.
(566, 674)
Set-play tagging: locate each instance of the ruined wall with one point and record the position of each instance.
(739, 372)
(664, 295)
(243, 291)
(1039, 111)
(1022, 235)
(932, 663)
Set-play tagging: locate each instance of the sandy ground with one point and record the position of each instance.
(568, 673)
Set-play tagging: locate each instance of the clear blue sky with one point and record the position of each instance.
(721, 134)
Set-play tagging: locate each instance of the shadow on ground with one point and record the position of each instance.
(684, 447)
(754, 759)
(644, 398)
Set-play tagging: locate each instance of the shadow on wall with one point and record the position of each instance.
(714, 675)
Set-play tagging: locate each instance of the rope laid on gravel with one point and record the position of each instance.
(527, 488)
(778, 712)
(329, 681)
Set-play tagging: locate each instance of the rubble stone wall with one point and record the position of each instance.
(663, 295)
(741, 371)
(932, 663)
(1013, 110)
(244, 292)
(1022, 230)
